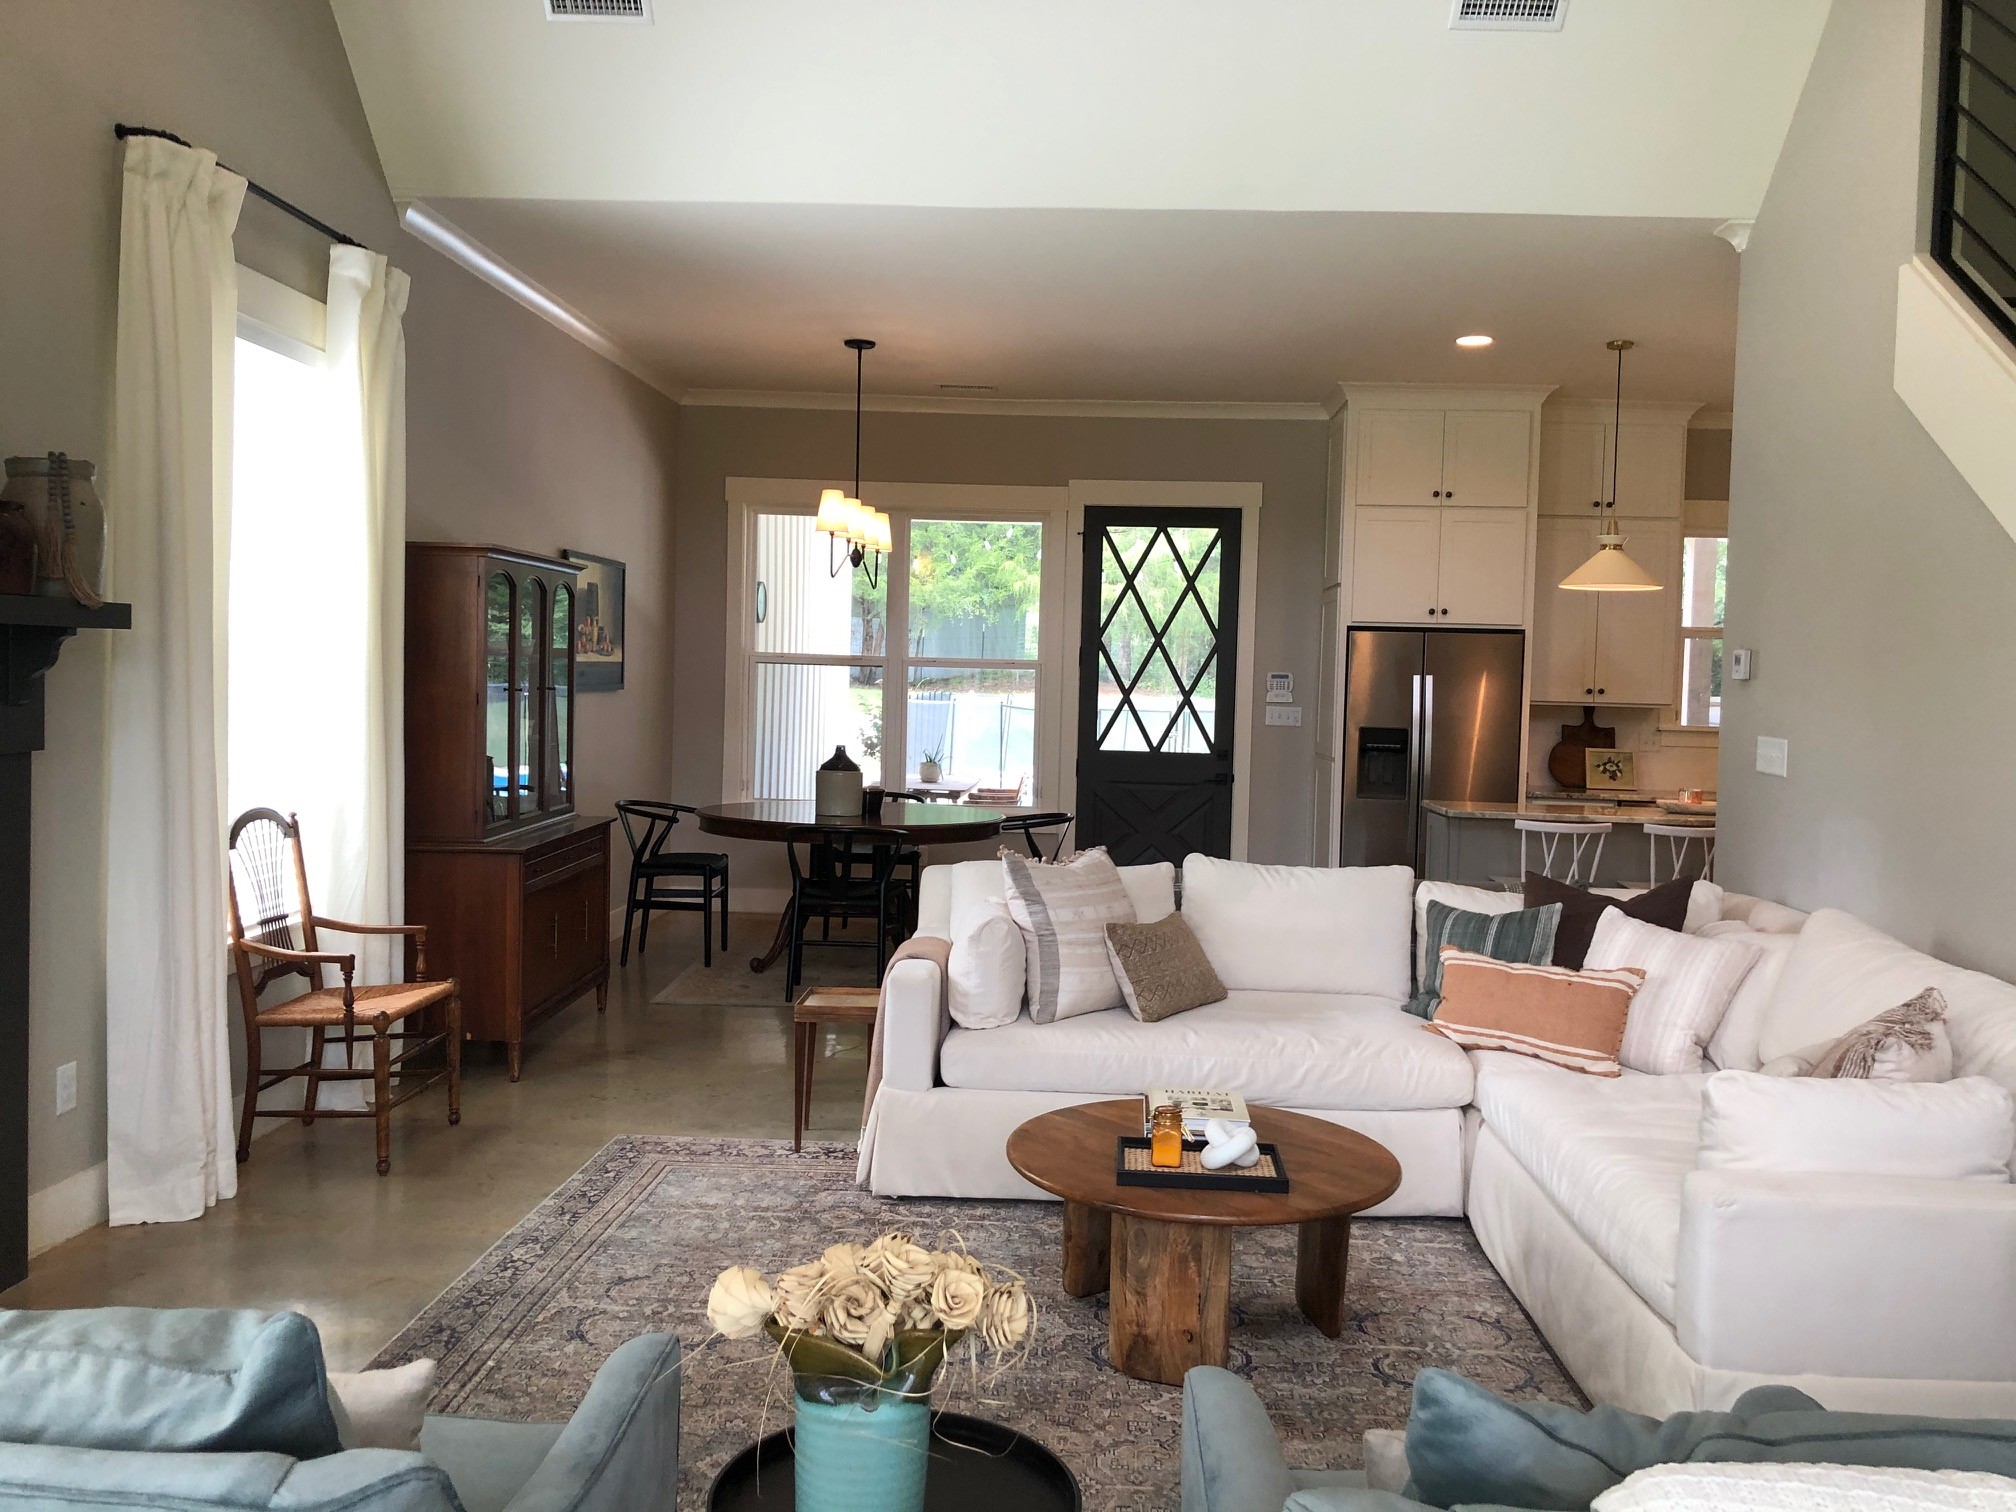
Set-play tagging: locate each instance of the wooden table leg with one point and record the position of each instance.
(769, 957)
(1171, 1307)
(803, 1046)
(1088, 1249)
(1321, 1251)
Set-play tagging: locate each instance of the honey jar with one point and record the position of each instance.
(1165, 1137)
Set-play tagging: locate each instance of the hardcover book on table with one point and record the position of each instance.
(1200, 1105)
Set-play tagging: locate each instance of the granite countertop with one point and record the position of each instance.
(1568, 810)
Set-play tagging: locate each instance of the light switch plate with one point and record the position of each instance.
(1772, 754)
(1284, 714)
(66, 1086)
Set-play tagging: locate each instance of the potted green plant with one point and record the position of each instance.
(929, 769)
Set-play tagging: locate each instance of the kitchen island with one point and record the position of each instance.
(1475, 842)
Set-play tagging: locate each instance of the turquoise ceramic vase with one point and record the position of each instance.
(851, 1459)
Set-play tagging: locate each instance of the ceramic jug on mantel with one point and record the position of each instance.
(59, 496)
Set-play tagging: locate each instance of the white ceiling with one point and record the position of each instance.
(1214, 200)
(1168, 305)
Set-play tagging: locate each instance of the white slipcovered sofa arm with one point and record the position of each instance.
(1872, 1276)
(914, 1021)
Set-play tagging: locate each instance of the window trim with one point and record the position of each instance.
(1678, 723)
(746, 498)
(1947, 165)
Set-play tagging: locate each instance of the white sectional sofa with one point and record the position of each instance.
(1662, 1286)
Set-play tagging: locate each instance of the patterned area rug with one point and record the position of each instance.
(632, 1242)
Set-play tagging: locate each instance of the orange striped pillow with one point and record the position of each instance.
(1567, 1018)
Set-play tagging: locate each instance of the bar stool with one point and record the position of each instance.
(812, 1009)
(1677, 841)
(1580, 844)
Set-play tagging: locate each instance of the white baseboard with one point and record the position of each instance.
(67, 1209)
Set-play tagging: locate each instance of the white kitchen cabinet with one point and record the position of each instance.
(1471, 458)
(1452, 566)
(1574, 467)
(1651, 470)
(1486, 458)
(1605, 648)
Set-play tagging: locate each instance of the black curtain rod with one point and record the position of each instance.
(123, 131)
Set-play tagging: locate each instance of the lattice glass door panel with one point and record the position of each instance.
(1159, 607)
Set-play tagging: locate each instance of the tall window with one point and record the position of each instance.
(940, 663)
(1703, 587)
(1974, 170)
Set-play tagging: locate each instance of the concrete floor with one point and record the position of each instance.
(314, 1228)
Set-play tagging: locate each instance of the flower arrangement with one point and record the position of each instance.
(867, 1320)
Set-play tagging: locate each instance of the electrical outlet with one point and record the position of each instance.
(1284, 714)
(66, 1086)
(1772, 754)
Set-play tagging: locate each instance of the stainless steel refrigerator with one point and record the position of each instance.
(1427, 714)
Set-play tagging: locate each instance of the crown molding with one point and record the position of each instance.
(1681, 412)
(1437, 395)
(1708, 419)
(1736, 233)
(934, 404)
(428, 225)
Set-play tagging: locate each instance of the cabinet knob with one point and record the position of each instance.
(1437, 494)
(1602, 690)
(1431, 611)
(1588, 690)
(1448, 493)
(1445, 611)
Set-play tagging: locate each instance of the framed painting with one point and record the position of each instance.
(598, 628)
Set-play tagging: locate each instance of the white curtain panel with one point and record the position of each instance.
(168, 1063)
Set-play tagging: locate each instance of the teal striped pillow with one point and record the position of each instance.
(1525, 937)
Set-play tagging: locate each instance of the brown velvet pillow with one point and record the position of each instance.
(1665, 906)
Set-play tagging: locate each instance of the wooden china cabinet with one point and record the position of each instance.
(511, 883)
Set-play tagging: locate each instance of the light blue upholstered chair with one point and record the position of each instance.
(200, 1408)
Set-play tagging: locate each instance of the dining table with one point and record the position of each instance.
(778, 819)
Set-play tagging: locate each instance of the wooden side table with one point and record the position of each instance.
(814, 1007)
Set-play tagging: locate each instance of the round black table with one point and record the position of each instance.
(976, 1466)
(776, 819)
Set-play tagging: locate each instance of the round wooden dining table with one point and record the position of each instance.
(776, 819)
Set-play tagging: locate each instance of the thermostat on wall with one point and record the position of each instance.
(1739, 663)
(1280, 687)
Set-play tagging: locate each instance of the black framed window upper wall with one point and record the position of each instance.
(1974, 174)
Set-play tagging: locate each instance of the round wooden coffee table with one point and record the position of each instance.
(1165, 1253)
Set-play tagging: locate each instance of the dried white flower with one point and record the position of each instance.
(741, 1302)
(842, 1260)
(899, 1265)
(1006, 1316)
(799, 1293)
(956, 1297)
(851, 1308)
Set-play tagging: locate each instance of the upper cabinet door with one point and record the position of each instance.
(1399, 457)
(1651, 470)
(1574, 475)
(1638, 634)
(1483, 567)
(1395, 565)
(1564, 621)
(1486, 457)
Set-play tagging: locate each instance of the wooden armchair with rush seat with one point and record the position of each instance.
(274, 934)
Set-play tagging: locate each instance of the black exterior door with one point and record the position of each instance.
(1157, 694)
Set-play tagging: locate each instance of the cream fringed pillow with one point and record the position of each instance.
(1062, 909)
(1572, 1019)
(1908, 1043)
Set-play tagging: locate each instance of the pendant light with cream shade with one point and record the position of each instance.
(1610, 570)
(847, 522)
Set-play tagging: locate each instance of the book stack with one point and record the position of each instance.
(1199, 1106)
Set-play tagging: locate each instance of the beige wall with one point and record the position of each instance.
(1286, 457)
(1875, 588)
(517, 434)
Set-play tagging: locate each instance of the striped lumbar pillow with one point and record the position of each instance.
(1063, 910)
(1526, 934)
(1567, 1018)
(1690, 980)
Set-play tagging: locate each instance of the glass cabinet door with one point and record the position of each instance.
(559, 698)
(525, 683)
(499, 604)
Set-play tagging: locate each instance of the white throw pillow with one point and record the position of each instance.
(382, 1409)
(1739, 1487)
(1907, 1043)
(1302, 928)
(986, 969)
(1946, 1131)
(1151, 889)
(1844, 972)
(1689, 983)
(1734, 1047)
(1479, 900)
(1062, 911)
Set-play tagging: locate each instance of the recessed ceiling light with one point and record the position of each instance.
(1473, 341)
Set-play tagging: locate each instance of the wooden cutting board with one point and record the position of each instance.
(1565, 764)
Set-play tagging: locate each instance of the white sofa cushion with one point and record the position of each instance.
(1611, 1154)
(1302, 928)
(1843, 972)
(1689, 982)
(1941, 1131)
(1284, 1049)
(1734, 1047)
(956, 885)
(987, 969)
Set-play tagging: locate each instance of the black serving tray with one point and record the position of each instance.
(1233, 1180)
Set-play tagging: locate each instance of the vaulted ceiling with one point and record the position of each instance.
(1225, 199)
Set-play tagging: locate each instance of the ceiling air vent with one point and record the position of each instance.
(1508, 15)
(598, 10)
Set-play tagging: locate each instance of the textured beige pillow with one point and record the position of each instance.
(1162, 969)
(382, 1409)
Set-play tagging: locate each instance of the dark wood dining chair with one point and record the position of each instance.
(1028, 826)
(647, 825)
(275, 933)
(840, 875)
